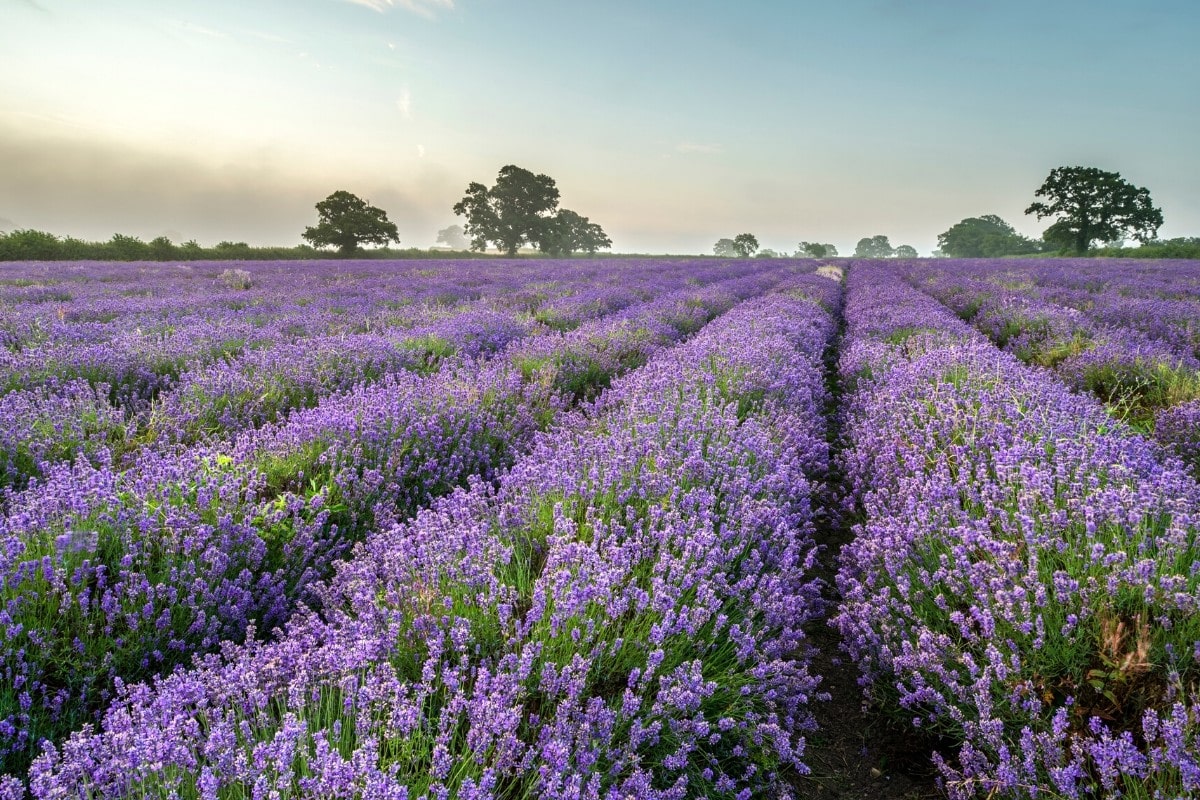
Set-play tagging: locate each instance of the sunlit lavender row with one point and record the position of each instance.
(1130, 336)
(1024, 581)
(118, 571)
(623, 616)
(558, 529)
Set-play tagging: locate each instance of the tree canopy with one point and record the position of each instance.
(345, 221)
(873, 247)
(511, 213)
(454, 237)
(568, 232)
(815, 250)
(744, 245)
(725, 248)
(1094, 205)
(984, 237)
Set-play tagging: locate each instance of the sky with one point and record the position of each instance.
(672, 123)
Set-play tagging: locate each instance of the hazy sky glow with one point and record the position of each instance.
(672, 123)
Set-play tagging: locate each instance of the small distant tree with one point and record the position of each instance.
(904, 251)
(724, 248)
(744, 244)
(984, 237)
(811, 250)
(873, 247)
(1094, 205)
(454, 237)
(228, 249)
(73, 249)
(346, 221)
(161, 249)
(767, 252)
(127, 248)
(568, 232)
(511, 213)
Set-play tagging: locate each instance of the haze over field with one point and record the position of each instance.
(670, 123)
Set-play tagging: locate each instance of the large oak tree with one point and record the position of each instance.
(511, 213)
(345, 221)
(1092, 205)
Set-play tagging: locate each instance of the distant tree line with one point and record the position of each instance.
(520, 209)
(745, 245)
(34, 245)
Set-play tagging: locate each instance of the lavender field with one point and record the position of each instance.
(598, 528)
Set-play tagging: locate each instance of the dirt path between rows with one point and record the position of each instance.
(855, 753)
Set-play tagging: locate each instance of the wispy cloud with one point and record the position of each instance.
(697, 147)
(420, 151)
(36, 6)
(425, 8)
(191, 27)
(404, 103)
(266, 37)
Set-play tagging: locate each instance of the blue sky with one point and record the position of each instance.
(671, 123)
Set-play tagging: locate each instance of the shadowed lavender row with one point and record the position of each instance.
(620, 618)
(1024, 582)
(123, 573)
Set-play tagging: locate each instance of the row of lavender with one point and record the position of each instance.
(1146, 371)
(162, 372)
(622, 616)
(122, 573)
(1023, 581)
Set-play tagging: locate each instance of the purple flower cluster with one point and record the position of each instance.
(1178, 427)
(1023, 581)
(112, 573)
(48, 425)
(621, 617)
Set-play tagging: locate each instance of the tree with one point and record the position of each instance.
(816, 250)
(767, 252)
(162, 249)
(874, 247)
(454, 237)
(904, 251)
(29, 245)
(744, 244)
(1094, 205)
(984, 237)
(724, 248)
(567, 232)
(511, 213)
(127, 248)
(346, 221)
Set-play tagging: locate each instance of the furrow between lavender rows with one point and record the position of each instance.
(124, 573)
(1023, 583)
(621, 616)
